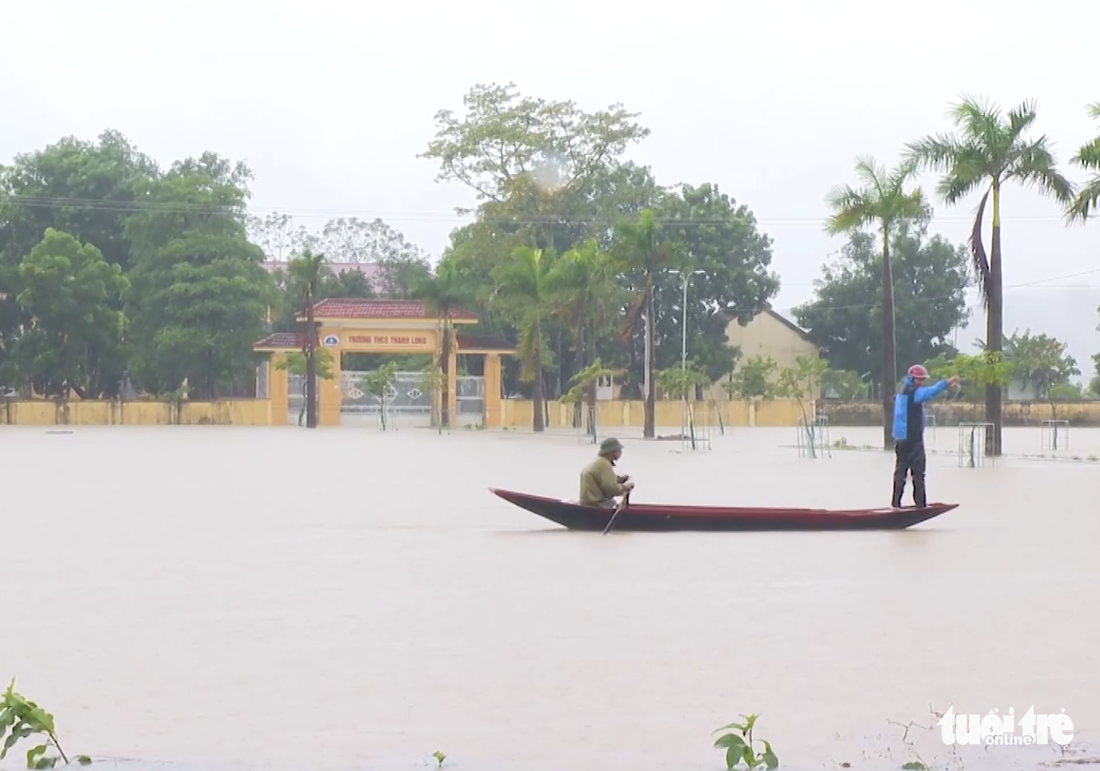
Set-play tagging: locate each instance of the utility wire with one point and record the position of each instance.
(91, 204)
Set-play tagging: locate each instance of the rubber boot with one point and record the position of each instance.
(899, 489)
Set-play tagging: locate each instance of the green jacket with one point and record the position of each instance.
(599, 483)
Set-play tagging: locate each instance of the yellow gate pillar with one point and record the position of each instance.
(452, 386)
(491, 418)
(277, 388)
(330, 393)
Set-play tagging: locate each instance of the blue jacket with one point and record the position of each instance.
(909, 408)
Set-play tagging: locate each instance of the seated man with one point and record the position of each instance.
(599, 484)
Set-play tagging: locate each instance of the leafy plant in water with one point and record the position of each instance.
(739, 745)
(21, 718)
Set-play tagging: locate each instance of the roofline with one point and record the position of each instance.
(345, 319)
(730, 315)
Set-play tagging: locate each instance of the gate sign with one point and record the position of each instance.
(330, 340)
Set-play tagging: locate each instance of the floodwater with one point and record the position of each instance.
(217, 598)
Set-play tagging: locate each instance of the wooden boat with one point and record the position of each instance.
(649, 517)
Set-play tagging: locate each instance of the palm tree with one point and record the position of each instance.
(989, 150)
(882, 203)
(1088, 158)
(642, 249)
(524, 293)
(584, 296)
(306, 271)
(442, 294)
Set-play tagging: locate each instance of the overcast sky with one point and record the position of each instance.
(330, 103)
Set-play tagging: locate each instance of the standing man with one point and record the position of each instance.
(909, 431)
(599, 485)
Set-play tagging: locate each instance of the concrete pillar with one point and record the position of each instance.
(277, 386)
(492, 416)
(330, 392)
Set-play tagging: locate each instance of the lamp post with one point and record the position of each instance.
(685, 277)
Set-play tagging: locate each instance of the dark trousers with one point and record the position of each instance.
(910, 462)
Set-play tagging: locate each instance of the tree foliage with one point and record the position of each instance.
(1039, 361)
(930, 282)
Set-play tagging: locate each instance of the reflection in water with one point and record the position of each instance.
(223, 598)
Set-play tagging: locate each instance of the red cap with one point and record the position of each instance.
(917, 371)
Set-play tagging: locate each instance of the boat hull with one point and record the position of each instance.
(654, 518)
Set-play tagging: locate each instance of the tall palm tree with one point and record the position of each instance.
(584, 295)
(443, 293)
(642, 249)
(990, 149)
(306, 271)
(881, 203)
(1088, 158)
(524, 293)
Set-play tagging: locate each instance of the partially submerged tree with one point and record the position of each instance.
(882, 203)
(380, 385)
(295, 364)
(799, 384)
(990, 149)
(307, 271)
(753, 379)
(582, 387)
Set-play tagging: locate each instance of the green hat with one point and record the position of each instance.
(610, 445)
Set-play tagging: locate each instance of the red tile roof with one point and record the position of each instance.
(374, 308)
(280, 340)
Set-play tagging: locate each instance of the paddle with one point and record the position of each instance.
(622, 505)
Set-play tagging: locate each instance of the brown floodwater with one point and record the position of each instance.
(275, 598)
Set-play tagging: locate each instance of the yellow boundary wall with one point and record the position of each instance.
(950, 413)
(518, 413)
(231, 412)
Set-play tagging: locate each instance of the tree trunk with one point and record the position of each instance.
(649, 431)
(578, 365)
(539, 396)
(445, 371)
(311, 367)
(994, 333)
(889, 358)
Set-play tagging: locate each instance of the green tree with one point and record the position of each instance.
(524, 289)
(990, 149)
(306, 271)
(724, 243)
(1063, 393)
(1087, 158)
(199, 294)
(882, 204)
(930, 282)
(644, 251)
(1039, 361)
(505, 141)
(379, 384)
(800, 383)
(846, 384)
(988, 369)
(74, 338)
(443, 293)
(584, 295)
(295, 364)
(86, 189)
(753, 379)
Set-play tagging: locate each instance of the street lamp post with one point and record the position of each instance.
(685, 276)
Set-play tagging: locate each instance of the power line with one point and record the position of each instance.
(1037, 283)
(124, 207)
